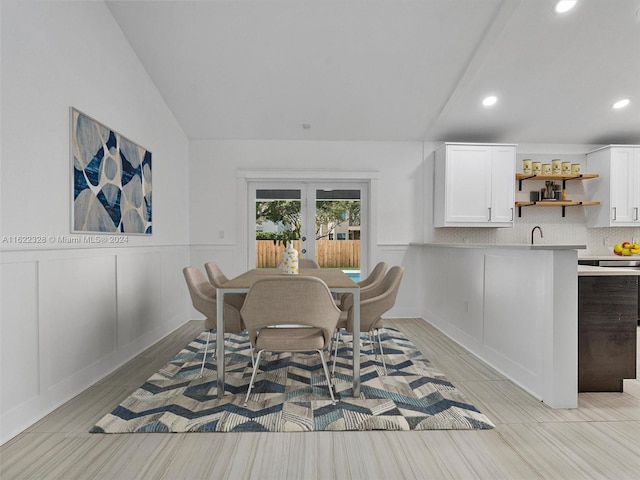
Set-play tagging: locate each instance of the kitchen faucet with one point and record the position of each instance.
(533, 230)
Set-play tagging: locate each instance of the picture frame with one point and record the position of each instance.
(111, 178)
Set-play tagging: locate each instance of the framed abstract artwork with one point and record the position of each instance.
(111, 180)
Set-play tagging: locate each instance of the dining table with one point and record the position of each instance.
(335, 279)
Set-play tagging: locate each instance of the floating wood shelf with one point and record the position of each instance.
(526, 176)
(554, 203)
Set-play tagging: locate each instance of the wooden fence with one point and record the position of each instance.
(329, 253)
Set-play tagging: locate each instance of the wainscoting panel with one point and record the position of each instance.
(19, 352)
(77, 313)
(434, 270)
(139, 293)
(409, 296)
(513, 310)
(175, 300)
(465, 292)
(453, 293)
(63, 312)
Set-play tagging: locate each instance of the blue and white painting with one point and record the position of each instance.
(111, 180)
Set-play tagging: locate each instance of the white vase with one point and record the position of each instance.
(290, 260)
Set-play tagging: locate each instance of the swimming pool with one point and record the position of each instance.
(353, 275)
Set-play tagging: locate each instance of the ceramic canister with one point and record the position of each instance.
(575, 169)
(527, 166)
(556, 166)
(546, 169)
(537, 168)
(566, 168)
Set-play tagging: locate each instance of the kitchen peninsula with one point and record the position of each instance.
(514, 306)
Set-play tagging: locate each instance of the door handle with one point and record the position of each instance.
(304, 239)
(512, 209)
(635, 213)
(304, 250)
(614, 213)
(489, 213)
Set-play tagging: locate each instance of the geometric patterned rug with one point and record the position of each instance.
(290, 394)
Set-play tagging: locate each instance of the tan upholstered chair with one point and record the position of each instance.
(289, 314)
(375, 277)
(303, 263)
(203, 297)
(374, 302)
(217, 278)
(307, 263)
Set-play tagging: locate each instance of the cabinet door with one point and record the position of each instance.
(468, 183)
(624, 198)
(503, 169)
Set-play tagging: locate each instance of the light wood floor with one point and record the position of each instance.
(598, 440)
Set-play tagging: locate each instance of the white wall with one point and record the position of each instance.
(72, 313)
(213, 180)
(216, 203)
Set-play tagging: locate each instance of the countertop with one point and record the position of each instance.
(583, 270)
(606, 256)
(589, 271)
(503, 246)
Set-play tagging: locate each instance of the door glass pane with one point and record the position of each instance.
(278, 220)
(337, 226)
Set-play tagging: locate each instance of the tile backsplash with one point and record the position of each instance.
(570, 229)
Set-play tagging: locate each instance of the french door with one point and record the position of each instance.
(328, 222)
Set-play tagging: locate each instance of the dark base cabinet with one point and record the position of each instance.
(607, 330)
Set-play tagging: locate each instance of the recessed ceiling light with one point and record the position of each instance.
(490, 100)
(306, 126)
(565, 5)
(621, 103)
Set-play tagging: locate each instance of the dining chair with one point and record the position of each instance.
(289, 314)
(302, 263)
(375, 277)
(374, 302)
(307, 263)
(203, 297)
(217, 278)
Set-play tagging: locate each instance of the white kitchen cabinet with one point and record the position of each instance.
(618, 188)
(474, 185)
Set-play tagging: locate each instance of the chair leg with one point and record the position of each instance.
(338, 336)
(253, 362)
(335, 355)
(253, 376)
(331, 342)
(326, 373)
(384, 365)
(204, 357)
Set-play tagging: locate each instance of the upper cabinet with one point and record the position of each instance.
(474, 185)
(617, 189)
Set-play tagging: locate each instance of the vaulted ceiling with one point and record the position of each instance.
(393, 70)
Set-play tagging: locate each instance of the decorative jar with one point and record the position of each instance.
(290, 260)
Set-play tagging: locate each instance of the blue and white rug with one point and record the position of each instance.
(291, 395)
